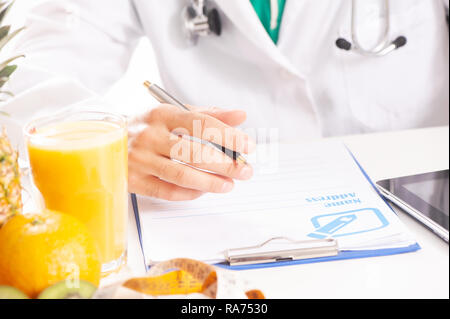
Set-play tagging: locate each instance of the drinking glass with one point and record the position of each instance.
(79, 164)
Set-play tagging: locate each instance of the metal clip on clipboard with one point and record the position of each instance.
(288, 250)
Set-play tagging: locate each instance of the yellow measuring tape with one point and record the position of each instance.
(181, 277)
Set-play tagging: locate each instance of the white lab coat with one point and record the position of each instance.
(305, 86)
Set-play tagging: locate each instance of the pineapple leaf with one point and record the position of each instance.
(7, 93)
(7, 71)
(5, 11)
(4, 31)
(8, 37)
(5, 36)
(5, 74)
(3, 4)
(5, 63)
(3, 80)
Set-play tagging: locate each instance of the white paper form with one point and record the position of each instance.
(307, 191)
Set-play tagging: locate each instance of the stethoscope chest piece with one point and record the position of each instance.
(199, 21)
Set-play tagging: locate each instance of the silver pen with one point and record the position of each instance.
(163, 97)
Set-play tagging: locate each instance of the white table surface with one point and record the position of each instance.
(421, 274)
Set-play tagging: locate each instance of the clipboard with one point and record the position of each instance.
(312, 255)
(294, 252)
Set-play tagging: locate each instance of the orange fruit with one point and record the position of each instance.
(40, 249)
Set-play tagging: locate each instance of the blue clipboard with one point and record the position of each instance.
(341, 255)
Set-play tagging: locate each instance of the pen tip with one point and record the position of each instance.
(241, 160)
(147, 84)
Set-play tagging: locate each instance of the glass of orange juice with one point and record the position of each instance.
(79, 164)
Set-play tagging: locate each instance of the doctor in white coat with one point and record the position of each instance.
(303, 84)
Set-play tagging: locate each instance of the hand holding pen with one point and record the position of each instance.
(167, 165)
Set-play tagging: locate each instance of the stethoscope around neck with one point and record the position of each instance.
(200, 21)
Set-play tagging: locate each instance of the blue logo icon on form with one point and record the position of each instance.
(347, 223)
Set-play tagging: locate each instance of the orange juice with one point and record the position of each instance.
(80, 168)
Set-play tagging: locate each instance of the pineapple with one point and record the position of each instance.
(10, 189)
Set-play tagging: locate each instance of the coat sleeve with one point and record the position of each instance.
(88, 41)
(74, 50)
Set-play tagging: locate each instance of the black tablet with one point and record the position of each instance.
(424, 196)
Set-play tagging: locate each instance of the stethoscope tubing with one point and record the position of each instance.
(384, 47)
(202, 25)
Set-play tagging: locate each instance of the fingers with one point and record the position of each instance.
(201, 126)
(149, 163)
(229, 117)
(202, 156)
(154, 187)
(164, 165)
